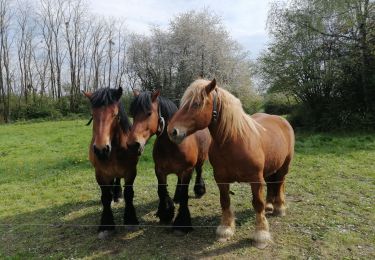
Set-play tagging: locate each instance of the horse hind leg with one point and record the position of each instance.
(276, 192)
(199, 186)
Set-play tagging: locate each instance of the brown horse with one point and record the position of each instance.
(151, 114)
(109, 155)
(244, 149)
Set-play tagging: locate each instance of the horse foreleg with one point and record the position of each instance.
(227, 226)
(166, 207)
(130, 216)
(182, 223)
(262, 235)
(117, 191)
(106, 223)
(177, 193)
(199, 187)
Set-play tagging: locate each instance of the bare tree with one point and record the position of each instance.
(5, 76)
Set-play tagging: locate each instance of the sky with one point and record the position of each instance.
(245, 20)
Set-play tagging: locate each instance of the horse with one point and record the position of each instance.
(151, 113)
(110, 157)
(253, 149)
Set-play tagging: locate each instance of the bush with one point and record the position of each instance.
(278, 104)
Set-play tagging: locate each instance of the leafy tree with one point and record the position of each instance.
(323, 54)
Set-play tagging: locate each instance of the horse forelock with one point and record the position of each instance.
(195, 93)
(142, 103)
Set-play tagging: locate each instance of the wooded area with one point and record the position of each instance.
(323, 54)
(318, 68)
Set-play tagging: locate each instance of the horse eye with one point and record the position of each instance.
(149, 113)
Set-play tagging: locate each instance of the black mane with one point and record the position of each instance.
(142, 103)
(106, 97)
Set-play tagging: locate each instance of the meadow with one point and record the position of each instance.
(50, 202)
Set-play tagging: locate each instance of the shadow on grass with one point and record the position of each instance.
(69, 230)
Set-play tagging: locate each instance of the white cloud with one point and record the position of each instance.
(244, 19)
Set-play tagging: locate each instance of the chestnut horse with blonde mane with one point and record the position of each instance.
(255, 150)
(109, 155)
(151, 113)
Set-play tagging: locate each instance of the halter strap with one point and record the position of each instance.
(161, 123)
(215, 113)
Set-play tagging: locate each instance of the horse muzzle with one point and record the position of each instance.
(176, 135)
(137, 147)
(102, 153)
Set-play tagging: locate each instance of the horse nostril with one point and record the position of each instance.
(108, 148)
(175, 132)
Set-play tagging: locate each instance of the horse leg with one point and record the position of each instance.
(279, 190)
(117, 191)
(177, 193)
(166, 207)
(199, 187)
(130, 217)
(182, 223)
(271, 189)
(107, 223)
(227, 225)
(262, 235)
(276, 191)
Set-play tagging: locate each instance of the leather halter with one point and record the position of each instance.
(161, 123)
(215, 112)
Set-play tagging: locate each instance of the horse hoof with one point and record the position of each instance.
(199, 191)
(176, 199)
(105, 234)
(260, 245)
(117, 200)
(132, 228)
(224, 233)
(261, 239)
(269, 208)
(179, 233)
(280, 212)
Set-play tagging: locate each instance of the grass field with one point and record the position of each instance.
(49, 202)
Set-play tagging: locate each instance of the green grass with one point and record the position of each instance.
(47, 188)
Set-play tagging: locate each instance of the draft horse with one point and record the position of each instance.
(151, 114)
(254, 149)
(110, 157)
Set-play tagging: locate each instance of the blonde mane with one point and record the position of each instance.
(234, 122)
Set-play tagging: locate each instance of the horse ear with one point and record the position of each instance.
(155, 95)
(211, 86)
(136, 92)
(118, 93)
(87, 94)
